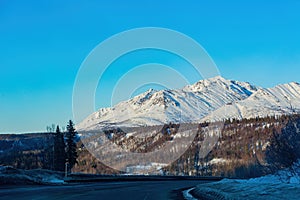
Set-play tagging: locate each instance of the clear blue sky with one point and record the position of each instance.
(43, 43)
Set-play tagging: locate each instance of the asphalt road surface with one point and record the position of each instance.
(141, 190)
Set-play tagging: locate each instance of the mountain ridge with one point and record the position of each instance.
(210, 99)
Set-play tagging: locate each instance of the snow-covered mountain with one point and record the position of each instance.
(207, 100)
(282, 99)
(189, 104)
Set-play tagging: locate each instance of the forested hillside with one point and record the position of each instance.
(245, 148)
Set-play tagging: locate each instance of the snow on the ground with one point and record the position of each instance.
(9, 175)
(52, 180)
(187, 195)
(217, 161)
(145, 169)
(284, 185)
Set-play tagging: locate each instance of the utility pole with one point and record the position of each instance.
(66, 168)
(53, 152)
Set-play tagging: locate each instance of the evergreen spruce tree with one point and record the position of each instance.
(59, 150)
(71, 153)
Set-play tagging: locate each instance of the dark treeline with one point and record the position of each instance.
(50, 150)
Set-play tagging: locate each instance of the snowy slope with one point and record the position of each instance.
(282, 185)
(282, 99)
(188, 104)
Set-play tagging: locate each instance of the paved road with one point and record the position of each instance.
(142, 190)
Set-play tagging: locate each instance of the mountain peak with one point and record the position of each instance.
(213, 80)
(144, 96)
(221, 85)
(294, 83)
(217, 78)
